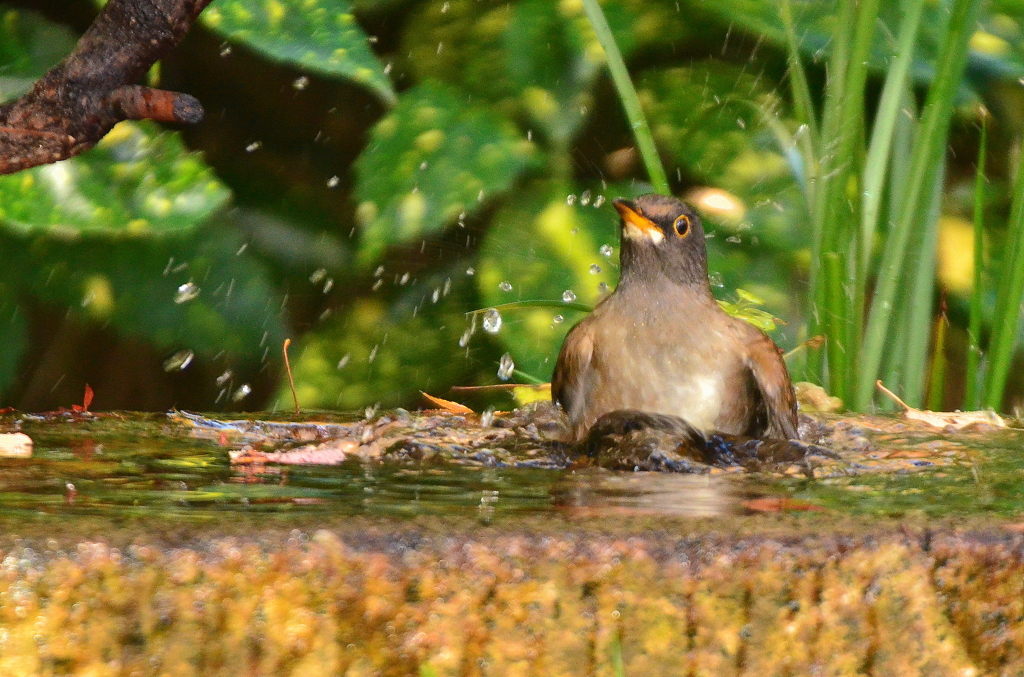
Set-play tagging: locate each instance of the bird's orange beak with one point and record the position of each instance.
(634, 224)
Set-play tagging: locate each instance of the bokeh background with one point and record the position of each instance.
(369, 173)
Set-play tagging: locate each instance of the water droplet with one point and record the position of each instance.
(440, 46)
(715, 279)
(179, 360)
(423, 165)
(333, 182)
(471, 271)
(186, 293)
(404, 279)
(377, 285)
(529, 135)
(741, 123)
(344, 360)
(734, 239)
(570, 199)
(224, 378)
(505, 286)
(445, 7)
(585, 198)
(379, 271)
(225, 50)
(447, 286)
(558, 319)
(373, 353)
(254, 146)
(568, 296)
(387, 69)
(329, 284)
(492, 321)
(480, 196)
(464, 339)
(574, 231)
(318, 275)
(598, 201)
(505, 367)
(606, 250)
(594, 269)
(487, 418)
(242, 392)
(602, 288)
(436, 295)
(300, 83)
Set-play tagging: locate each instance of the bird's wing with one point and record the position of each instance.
(569, 382)
(765, 362)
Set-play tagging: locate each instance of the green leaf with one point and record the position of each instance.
(138, 180)
(746, 308)
(433, 158)
(542, 246)
(13, 339)
(29, 46)
(318, 35)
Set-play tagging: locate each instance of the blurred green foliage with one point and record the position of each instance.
(484, 180)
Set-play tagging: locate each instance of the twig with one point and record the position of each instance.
(291, 381)
(78, 101)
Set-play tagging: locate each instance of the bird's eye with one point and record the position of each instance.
(682, 225)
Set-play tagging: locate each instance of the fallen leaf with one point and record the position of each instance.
(86, 401)
(15, 445)
(945, 419)
(779, 505)
(813, 397)
(447, 405)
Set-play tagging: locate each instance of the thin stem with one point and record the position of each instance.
(972, 399)
(627, 94)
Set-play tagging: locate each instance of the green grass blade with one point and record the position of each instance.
(926, 159)
(803, 105)
(834, 207)
(972, 398)
(883, 132)
(627, 94)
(919, 305)
(1008, 300)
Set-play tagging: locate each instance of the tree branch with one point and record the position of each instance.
(78, 101)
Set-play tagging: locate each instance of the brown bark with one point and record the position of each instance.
(78, 101)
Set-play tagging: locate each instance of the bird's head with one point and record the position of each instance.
(662, 235)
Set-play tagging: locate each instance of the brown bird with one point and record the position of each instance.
(661, 344)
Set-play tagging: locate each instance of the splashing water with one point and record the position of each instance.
(505, 367)
(179, 360)
(186, 293)
(492, 321)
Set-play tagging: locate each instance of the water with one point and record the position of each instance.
(146, 465)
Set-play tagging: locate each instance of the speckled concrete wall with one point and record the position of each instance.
(324, 604)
